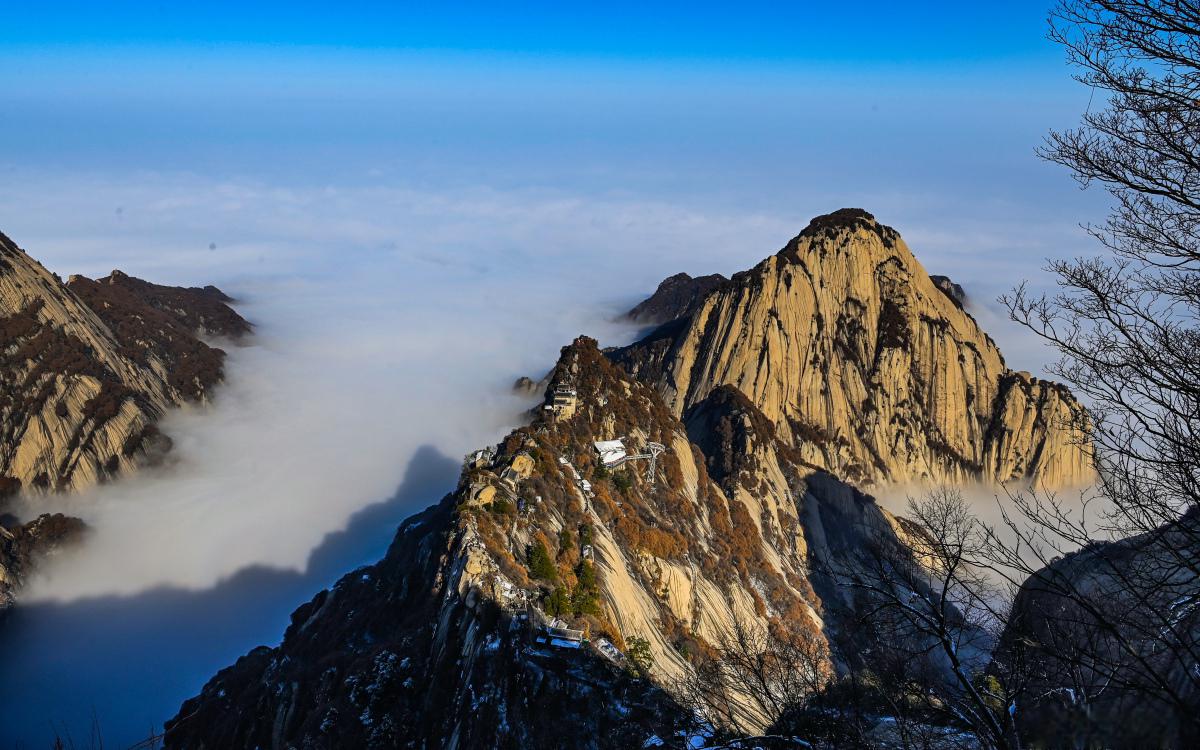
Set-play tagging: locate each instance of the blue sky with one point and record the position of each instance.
(486, 88)
(927, 114)
(859, 32)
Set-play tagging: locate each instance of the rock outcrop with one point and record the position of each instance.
(23, 544)
(954, 291)
(676, 297)
(525, 386)
(90, 366)
(1105, 643)
(867, 367)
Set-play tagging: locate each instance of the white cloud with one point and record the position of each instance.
(388, 317)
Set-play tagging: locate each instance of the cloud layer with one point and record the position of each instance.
(388, 317)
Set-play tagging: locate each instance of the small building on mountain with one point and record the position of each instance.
(611, 452)
(563, 401)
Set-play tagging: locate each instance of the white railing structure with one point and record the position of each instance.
(552, 632)
(567, 634)
(652, 452)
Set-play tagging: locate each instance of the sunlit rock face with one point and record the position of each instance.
(866, 367)
(835, 362)
(442, 643)
(90, 366)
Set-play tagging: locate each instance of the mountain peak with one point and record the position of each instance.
(843, 218)
(677, 296)
(867, 367)
(849, 220)
(560, 574)
(663, 496)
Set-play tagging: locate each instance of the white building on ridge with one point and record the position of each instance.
(612, 452)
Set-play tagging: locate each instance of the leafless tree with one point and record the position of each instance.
(918, 623)
(1126, 325)
(1101, 644)
(934, 614)
(1114, 626)
(1105, 636)
(755, 674)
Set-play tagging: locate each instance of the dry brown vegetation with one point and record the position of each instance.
(143, 330)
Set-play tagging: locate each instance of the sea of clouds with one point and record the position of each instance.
(387, 317)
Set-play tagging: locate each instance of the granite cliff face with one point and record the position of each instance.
(90, 366)
(450, 641)
(566, 589)
(866, 366)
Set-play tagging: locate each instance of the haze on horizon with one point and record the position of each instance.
(289, 135)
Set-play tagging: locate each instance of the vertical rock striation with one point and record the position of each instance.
(88, 367)
(866, 366)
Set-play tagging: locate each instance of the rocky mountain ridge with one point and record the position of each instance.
(22, 545)
(662, 497)
(867, 367)
(90, 366)
(543, 581)
(676, 297)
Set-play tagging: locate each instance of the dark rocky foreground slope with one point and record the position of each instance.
(555, 601)
(1107, 642)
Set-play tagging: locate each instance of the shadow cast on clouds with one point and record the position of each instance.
(129, 661)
